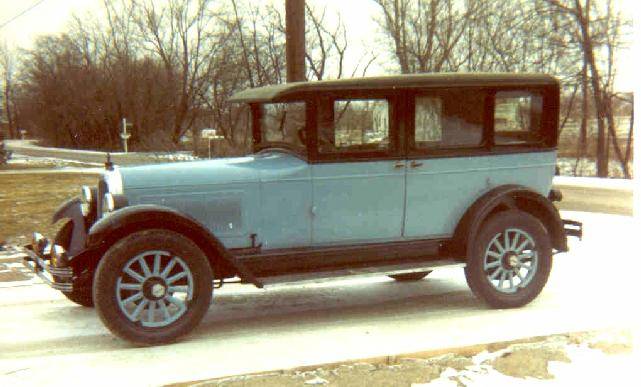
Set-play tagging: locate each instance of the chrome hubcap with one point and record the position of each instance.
(158, 290)
(511, 260)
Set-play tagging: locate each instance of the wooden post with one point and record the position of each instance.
(295, 39)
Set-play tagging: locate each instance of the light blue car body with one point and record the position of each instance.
(287, 202)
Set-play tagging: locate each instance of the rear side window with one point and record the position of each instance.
(452, 119)
(517, 118)
(353, 125)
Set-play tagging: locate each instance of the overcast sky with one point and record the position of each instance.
(51, 16)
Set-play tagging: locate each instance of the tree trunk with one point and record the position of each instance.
(588, 57)
(7, 107)
(583, 133)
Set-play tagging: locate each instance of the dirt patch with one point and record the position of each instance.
(28, 201)
(405, 373)
(11, 276)
(526, 359)
(531, 361)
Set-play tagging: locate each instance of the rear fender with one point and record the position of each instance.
(504, 198)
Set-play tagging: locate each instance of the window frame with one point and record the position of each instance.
(483, 148)
(548, 126)
(393, 152)
(256, 121)
(548, 130)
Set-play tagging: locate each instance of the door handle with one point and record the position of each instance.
(399, 165)
(415, 164)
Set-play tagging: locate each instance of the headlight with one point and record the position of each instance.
(113, 179)
(85, 199)
(108, 203)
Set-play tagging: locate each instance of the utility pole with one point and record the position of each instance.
(295, 39)
(124, 135)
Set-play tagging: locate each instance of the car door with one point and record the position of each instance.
(358, 177)
(447, 159)
(453, 158)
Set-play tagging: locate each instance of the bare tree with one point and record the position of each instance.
(597, 28)
(425, 34)
(181, 34)
(7, 70)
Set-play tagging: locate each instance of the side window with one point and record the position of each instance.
(353, 125)
(281, 122)
(448, 120)
(517, 117)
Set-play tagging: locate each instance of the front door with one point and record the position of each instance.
(359, 179)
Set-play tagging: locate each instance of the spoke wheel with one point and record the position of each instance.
(152, 287)
(511, 260)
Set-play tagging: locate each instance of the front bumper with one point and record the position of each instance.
(39, 260)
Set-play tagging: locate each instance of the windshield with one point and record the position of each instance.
(282, 125)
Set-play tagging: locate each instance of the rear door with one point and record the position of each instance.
(448, 161)
(454, 157)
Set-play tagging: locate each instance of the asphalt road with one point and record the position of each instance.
(44, 339)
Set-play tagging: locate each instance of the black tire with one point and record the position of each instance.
(533, 262)
(410, 276)
(82, 293)
(107, 290)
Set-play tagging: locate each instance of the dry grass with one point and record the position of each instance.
(27, 202)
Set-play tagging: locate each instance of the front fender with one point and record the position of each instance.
(71, 209)
(130, 219)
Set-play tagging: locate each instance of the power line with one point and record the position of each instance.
(34, 5)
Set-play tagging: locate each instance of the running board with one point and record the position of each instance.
(336, 274)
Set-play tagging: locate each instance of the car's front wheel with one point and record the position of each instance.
(152, 287)
(511, 260)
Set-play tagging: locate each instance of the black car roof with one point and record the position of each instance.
(406, 81)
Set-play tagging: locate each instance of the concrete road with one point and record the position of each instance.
(46, 339)
(610, 196)
(28, 148)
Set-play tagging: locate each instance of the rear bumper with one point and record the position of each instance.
(40, 262)
(573, 228)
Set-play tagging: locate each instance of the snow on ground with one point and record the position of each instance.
(595, 182)
(178, 156)
(54, 162)
(581, 364)
(18, 159)
(587, 167)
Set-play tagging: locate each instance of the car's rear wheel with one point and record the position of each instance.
(81, 293)
(511, 260)
(152, 287)
(410, 276)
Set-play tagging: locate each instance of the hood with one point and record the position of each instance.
(246, 169)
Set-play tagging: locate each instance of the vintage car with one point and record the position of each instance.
(393, 176)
